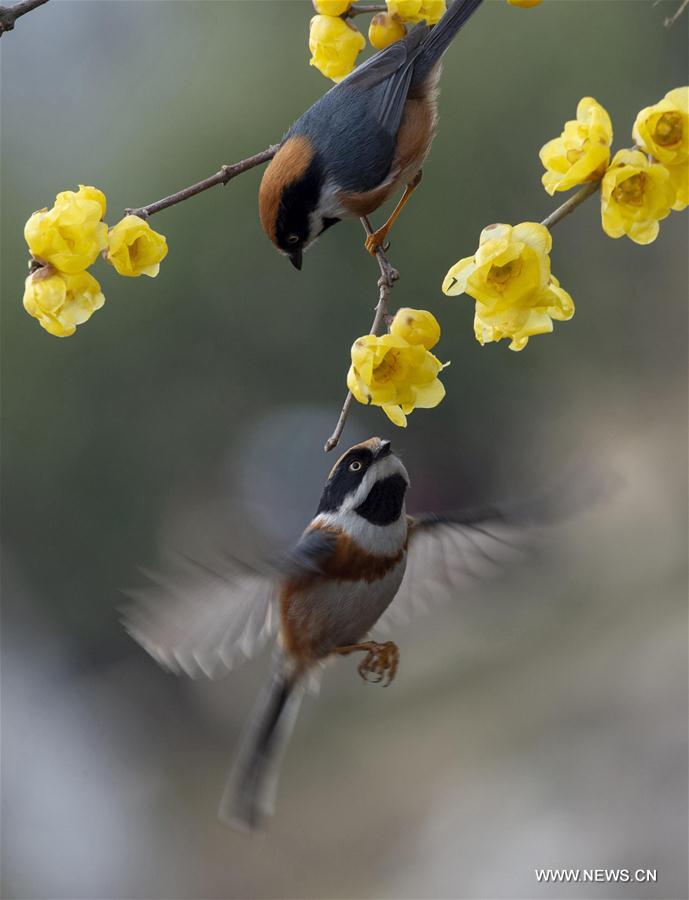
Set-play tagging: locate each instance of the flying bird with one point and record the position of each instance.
(360, 142)
(358, 554)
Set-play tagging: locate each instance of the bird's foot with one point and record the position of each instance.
(377, 241)
(380, 663)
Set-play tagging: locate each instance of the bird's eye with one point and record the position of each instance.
(354, 466)
(292, 239)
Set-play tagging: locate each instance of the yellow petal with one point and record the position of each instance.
(395, 414)
(416, 326)
(430, 395)
(559, 304)
(455, 281)
(91, 193)
(385, 30)
(405, 10)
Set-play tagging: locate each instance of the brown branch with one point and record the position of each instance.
(361, 10)
(588, 190)
(388, 277)
(226, 173)
(10, 14)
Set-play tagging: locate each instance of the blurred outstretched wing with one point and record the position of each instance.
(201, 619)
(204, 619)
(448, 555)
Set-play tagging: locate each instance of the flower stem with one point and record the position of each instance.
(226, 173)
(588, 190)
(388, 277)
(10, 14)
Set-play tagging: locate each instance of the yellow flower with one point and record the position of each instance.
(509, 277)
(582, 151)
(331, 7)
(525, 4)
(71, 234)
(60, 301)
(385, 30)
(636, 194)
(416, 326)
(430, 11)
(663, 132)
(334, 45)
(394, 374)
(134, 248)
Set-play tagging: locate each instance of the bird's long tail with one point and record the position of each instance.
(440, 37)
(250, 791)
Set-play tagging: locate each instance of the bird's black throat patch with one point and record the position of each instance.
(384, 502)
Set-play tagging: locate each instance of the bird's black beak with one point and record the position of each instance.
(295, 257)
(384, 450)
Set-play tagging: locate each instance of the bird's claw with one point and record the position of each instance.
(376, 241)
(380, 663)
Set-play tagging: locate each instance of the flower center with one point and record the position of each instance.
(631, 190)
(385, 370)
(668, 129)
(500, 275)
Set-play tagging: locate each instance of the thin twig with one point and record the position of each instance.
(388, 277)
(361, 10)
(670, 20)
(570, 205)
(10, 14)
(226, 173)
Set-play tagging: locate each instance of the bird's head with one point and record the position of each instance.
(290, 199)
(369, 482)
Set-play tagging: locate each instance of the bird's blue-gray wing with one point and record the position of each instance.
(364, 110)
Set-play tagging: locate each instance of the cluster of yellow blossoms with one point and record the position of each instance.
(65, 240)
(640, 186)
(509, 276)
(335, 42)
(516, 294)
(397, 371)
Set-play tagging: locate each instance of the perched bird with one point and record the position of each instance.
(362, 141)
(359, 553)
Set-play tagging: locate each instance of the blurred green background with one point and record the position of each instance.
(541, 721)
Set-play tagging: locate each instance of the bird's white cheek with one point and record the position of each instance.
(329, 207)
(380, 540)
